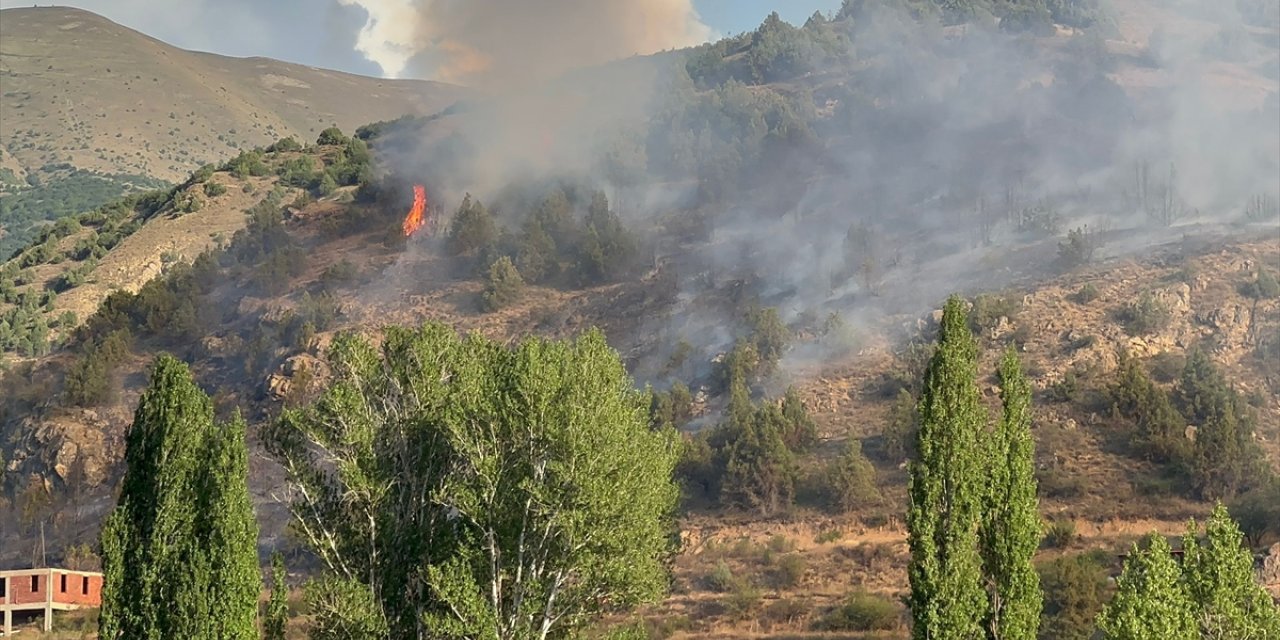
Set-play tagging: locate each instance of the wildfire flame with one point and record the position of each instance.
(417, 215)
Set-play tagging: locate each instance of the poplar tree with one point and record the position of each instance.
(947, 597)
(1011, 521)
(1152, 601)
(179, 550)
(1219, 575)
(147, 542)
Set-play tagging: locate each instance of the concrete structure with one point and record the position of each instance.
(47, 590)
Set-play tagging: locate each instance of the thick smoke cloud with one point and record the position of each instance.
(498, 42)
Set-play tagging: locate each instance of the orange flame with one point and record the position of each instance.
(417, 215)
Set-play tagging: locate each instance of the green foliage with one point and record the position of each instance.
(673, 408)
(503, 285)
(852, 478)
(1078, 248)
(862, 611)
(946, 490)
(332, 136)
(759, 472)
(1224, 458)
(89, 382)
(988, 309)
(247, 163)
(472, 230)
(1060, 534)
(1258, 511)
(1146, 315)
(284, 145)
(276, 620)
(1010, 530)
(477, 464)
(1075, 588)
(1219, 575)
(1085, 294)
(179, 552)
(80, 191)
(899, 433)
(607, 250)
(214, 189)
(1151, 599)
(344, 609)
(1262, 287)
(1158, 432)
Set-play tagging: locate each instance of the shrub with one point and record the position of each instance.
(852, 478)
(1146, 315)
(744, 599)
(214, 189)
(988, 309)
(827, 536)
(332, 136)
(721, 578)
(1085, 294)
(1078, 248)
(503, 285)
(288, 144)
(1262, 287)
(1075, 589)
(1060, 534)
(862, 611)
(900, 432)
(790, 571)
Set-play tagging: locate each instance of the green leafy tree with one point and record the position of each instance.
(1151, 599)
(459, 489)
(472, 230)
(332, 135)
(503, 284)
(178, 552)
(945, 571)
(1075, 591)
(1159, 433)
(1010, 531)
(277, 618)
(801, 431)
(1219, 575)
(852, 478)
(760, 470)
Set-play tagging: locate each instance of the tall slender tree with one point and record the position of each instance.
(1152, 600)
(1219, 575)
(1011, 521)
(947, 597)
(179, 551)
(147, 541)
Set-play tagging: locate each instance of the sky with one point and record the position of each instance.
(323, 33)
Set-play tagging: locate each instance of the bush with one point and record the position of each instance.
(899, 433)
(1085, 294)
(852, 479)
(288, 144)
(332, 136)
(1078, 248)
(790, 571)
(862, 611)
(989, 309)
(472, 229)
(503, 285)
(1146, 315)
(1262, 287)
(1060, 534)
(1074, 592)
(721, 578)
(214, 189)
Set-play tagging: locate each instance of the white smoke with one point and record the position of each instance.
(491, 42)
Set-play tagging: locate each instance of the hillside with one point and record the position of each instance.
(785, 209)
(92, 108)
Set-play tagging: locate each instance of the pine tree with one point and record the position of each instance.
(277, 618)
(947, 598)
(1011, 521)
(472, 230)
(1151, 600)
(503, 285)
(1219, 575)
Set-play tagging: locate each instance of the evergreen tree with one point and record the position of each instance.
(760, 471)
(503, 285)
(1224, 457)
(277, 618)
(947, 598)
(1219, 575)
(1151, 600)
(472, 229)
(1011, 521)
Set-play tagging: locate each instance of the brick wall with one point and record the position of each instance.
(79, 589)
(20, 588)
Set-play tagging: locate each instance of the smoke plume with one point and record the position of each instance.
(497, 42)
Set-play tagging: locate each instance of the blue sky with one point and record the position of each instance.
(322, 33)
